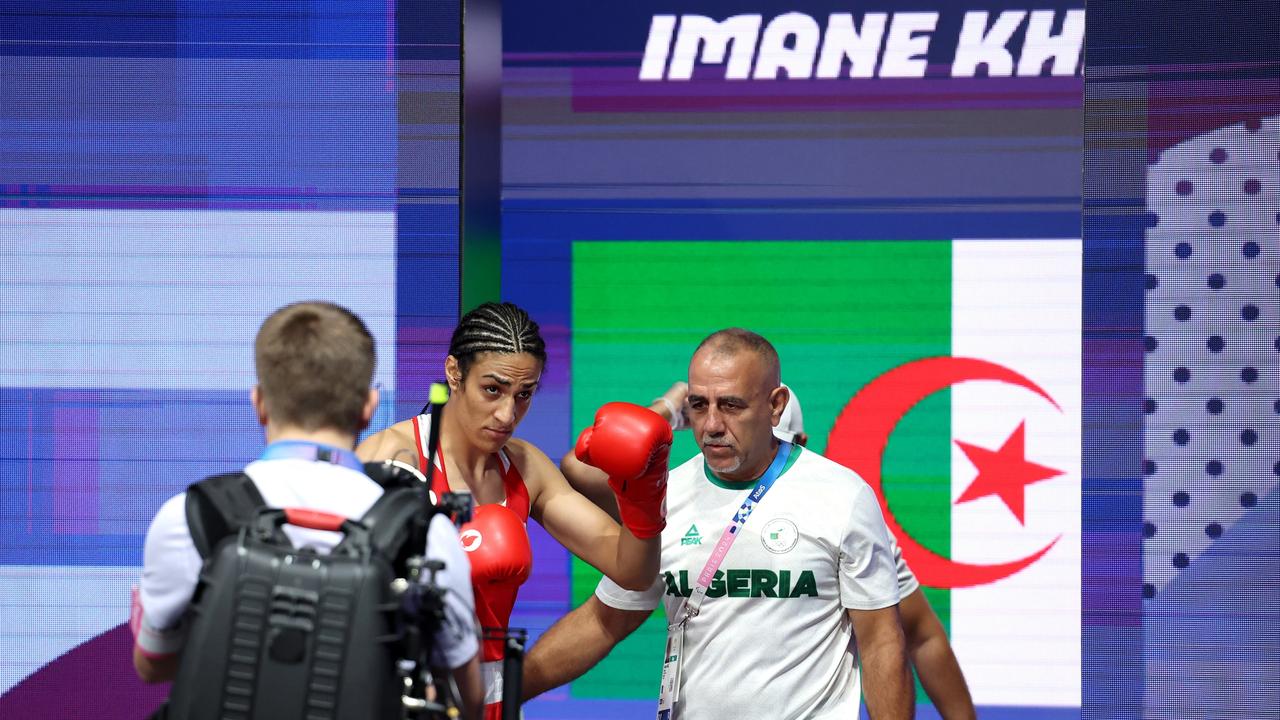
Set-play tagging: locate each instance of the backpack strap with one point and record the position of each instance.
(390, 475)
(219, 506)
(395, 520)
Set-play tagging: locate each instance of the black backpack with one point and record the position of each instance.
(281, 632)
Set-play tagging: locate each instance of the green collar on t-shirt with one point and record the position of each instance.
(731, 485)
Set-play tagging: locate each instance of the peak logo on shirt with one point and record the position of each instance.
(692, 537)
(748, 583)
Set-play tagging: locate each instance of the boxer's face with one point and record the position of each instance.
(494, 397)
(732, 412)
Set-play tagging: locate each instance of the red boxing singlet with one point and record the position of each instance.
(495, 595)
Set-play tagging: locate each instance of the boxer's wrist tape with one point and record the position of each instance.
(676, 417)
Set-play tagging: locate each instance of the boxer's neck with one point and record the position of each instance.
(459, 452)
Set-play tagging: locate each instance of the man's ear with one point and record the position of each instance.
(370, 407)
(259, 404)
(778, 402)
(453, 374)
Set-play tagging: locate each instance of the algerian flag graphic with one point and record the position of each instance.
(946, 372)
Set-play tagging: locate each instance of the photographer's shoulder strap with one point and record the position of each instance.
(219, 506)
(395, 517)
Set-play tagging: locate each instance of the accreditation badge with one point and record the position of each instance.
(669, 688)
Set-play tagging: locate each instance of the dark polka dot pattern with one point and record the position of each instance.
(1212, 392)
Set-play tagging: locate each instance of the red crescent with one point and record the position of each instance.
(862, 431)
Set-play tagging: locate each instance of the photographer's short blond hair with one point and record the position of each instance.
(315, 364)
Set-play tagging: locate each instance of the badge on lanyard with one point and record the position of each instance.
(670, 685)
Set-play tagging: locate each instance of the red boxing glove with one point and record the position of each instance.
(631, 444)
(497, 546)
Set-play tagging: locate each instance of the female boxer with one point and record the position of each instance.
(496, 357)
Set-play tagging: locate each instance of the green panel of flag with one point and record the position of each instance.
(839, 313)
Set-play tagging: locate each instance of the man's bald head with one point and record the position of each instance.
(732, 341)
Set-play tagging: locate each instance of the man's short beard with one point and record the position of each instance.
(737, 463)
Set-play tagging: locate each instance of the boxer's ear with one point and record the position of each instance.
(453, 374)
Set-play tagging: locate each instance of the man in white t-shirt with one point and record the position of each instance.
(807, 589)
(928, 647)
(315, 365)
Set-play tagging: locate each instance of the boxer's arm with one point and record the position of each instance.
(592, 482)
(470, 688)
(934, 660)
(575, 643)
(886, 678)
(584, 529)
(394, 443)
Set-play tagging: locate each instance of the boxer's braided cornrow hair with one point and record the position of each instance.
(496, 327)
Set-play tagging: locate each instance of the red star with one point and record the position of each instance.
(1004, 472)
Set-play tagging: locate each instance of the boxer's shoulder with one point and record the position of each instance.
(397, 442)
(534, 467)
(529, 461)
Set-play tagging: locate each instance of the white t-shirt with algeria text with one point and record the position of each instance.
(772, 640)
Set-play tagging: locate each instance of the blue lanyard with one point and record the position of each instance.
(762, 486)
(315, 452)
(730, 534)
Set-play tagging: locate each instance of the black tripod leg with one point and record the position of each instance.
(512, 672)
